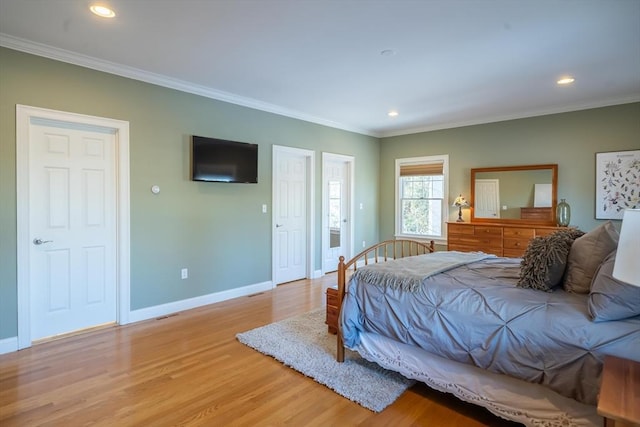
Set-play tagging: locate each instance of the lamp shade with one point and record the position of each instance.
(627, 265)
(460, 202)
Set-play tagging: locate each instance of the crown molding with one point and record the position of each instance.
(86, 61)
(93, 63)
(522, 115)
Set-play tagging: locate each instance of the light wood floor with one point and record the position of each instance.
(189, 369)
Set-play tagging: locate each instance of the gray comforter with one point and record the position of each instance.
(475, 314)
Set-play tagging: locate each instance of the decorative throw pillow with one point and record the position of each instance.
(611, 299)
(544, 261)
(586, 254)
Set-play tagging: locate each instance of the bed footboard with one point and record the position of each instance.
(380, 252)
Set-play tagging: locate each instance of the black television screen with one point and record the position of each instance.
(219, 160)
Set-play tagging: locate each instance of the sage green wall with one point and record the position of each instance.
(568, 139)
(216, 230)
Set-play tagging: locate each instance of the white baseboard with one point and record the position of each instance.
(187, 304)
(8, 345)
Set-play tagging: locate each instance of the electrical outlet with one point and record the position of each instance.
(184, 273)
(264, 208)
(364, 244)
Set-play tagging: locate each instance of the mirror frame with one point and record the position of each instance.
(554, 193)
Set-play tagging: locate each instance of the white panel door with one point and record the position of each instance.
(72, 188)
(336, 228)
(487, 198)
(290, 216)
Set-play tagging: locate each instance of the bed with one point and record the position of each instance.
(467, 324)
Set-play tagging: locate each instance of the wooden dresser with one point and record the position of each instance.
(509, 240)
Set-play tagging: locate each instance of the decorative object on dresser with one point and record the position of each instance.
(460, 203)
(563, 213)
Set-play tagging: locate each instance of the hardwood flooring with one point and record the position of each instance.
(188, 369)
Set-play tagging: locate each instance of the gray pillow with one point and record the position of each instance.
(545, 258)
(586, 255)
(611, 299)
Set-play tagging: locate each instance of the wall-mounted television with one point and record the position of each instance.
(220, 160)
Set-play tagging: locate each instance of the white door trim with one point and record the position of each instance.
(351, 166)
(310, 156)
(24, 116)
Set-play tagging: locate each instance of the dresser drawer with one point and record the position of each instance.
(526, 233)
(546, 231)
(478, 241)
(460, 229)
(487, 231)
(513, 253)
(461, 247)
(519, 244)
(496, 250)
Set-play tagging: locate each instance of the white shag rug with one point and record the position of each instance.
(303, 343)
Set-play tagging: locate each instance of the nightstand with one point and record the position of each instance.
(619, 400)
(332, 309)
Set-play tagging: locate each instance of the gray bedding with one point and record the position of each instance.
(475, 314)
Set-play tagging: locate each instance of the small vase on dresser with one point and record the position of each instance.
(563, 213)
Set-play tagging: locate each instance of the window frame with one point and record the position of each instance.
(444, 160)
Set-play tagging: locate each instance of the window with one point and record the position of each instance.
(421, 197)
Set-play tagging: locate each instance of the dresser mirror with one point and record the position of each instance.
(514, 194)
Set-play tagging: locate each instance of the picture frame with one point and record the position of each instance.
(617, 183)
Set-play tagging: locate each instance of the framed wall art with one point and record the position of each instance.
(617, 183)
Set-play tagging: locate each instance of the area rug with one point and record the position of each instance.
(303, 343)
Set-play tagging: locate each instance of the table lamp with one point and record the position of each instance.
(460, 202)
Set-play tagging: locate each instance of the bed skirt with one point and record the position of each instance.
(506, 397)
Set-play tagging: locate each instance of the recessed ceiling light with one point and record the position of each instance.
(392, 113)
(102, 11)
(566, 81)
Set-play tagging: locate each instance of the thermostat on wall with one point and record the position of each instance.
(155, 189)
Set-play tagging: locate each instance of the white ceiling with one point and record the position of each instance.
(455, 62)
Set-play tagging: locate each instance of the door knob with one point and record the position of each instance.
(279, 225)
(37, 241)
